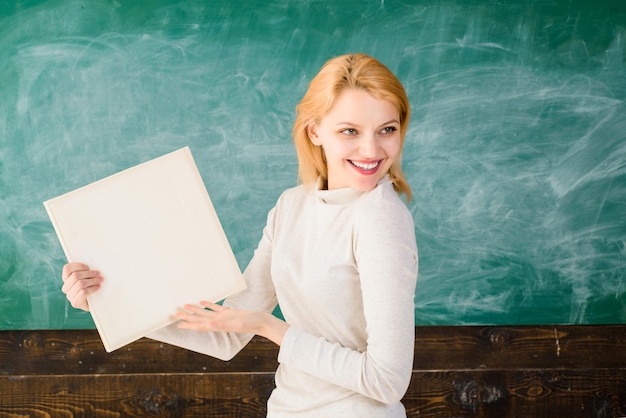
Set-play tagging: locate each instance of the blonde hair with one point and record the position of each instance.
(346, 71)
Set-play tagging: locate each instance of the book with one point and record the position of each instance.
(153, 233)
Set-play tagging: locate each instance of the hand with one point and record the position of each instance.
(79, 281)
(222, 319)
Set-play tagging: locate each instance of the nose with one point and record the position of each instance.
(368, 146)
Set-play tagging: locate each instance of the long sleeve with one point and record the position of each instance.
(386, 256)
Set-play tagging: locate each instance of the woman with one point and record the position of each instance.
(338, 253)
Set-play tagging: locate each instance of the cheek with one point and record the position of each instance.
(393, 147)
(337, 149)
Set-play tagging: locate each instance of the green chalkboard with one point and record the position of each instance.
(516, 150)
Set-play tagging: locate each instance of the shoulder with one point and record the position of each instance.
(294, 194)
(291, 200)
(383, 204)
(384, 220)
(384, 234)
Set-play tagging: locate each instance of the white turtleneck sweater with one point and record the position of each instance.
(343, 266)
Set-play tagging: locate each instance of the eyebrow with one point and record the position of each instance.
(389, 122)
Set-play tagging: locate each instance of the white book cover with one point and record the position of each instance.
(153, 233)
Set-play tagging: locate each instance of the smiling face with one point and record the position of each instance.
(360, 136)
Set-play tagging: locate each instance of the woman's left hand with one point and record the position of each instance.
(211, 317)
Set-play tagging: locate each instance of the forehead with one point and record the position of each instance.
(357, 105)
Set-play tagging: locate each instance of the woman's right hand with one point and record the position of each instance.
(79, 281)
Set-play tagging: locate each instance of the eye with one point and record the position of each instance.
(349, 132)
(388, 130)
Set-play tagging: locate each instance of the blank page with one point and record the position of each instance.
(153, 233)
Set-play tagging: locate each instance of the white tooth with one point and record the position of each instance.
(365, 166)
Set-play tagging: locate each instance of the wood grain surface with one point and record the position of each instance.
(546, 371)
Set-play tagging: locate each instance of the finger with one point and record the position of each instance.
(71, 268)
(196, 326)
(87, 277)
(82, 289)
(191, 320)
(213, 306)
(197, 322)
(78, 291)
(72, 287)
(195, 309)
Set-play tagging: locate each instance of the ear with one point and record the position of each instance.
(311, 131)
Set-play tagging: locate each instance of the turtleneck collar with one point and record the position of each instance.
(343, 195)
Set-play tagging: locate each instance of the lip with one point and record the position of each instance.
(363, 170)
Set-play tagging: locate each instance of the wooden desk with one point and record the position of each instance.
(550, 371)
